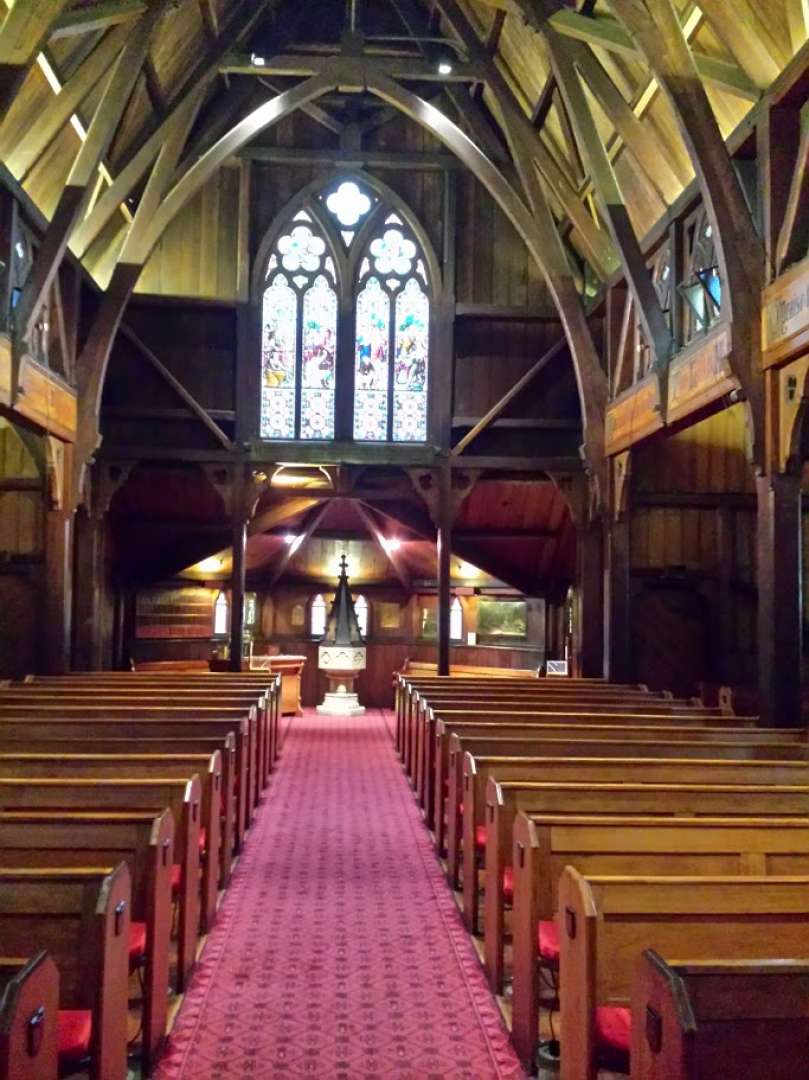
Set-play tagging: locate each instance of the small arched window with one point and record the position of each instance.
(361, 611)
(221, 615)
(456, 620)
(317, 616)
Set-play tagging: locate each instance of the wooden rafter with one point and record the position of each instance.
(745, 32)
(99, 16)
(636, 272)
(609, 34)
(150, 142)
(393, 556)
(313, 520)
(78, 186)
(22, 31)
(20, 149)
(280, 512)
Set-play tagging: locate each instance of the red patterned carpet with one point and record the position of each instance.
(339, 952)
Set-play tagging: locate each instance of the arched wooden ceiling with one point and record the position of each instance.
(586, 122)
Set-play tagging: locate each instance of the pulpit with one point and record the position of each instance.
(289, 667)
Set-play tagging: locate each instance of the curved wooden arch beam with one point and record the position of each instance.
(538, 231)
(655, 28)
(153, 215)
(247, 129)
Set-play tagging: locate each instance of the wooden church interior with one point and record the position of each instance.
(505, 303)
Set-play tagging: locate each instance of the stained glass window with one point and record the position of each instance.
(371, 365)
(299, 337)
(392, 321)
(308, 283)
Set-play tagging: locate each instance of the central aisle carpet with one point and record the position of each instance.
(339, 952)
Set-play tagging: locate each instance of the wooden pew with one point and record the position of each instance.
(145, 842)
(419, 716)
(483, 710)
(501, 802)
(615, 765)
(208, 767)
(127, 689)
(264, 684)
(81, 918)
(225, 747)
(605, 923)
(99, 706)
(36, 729)
(182, 797)
(666, 844)
(407, 689)
(738, 1019)
(579, 725)
(29, 1018)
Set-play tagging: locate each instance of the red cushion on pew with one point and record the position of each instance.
(137, 943)
(548, 941)
(176, 877)
(203, 838)
(508, 884)
(613, 1028)
(74, 1035)
(480, 837)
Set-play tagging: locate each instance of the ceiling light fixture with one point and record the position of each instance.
(444, 67)
(209, 565)
(393, 543)
(256, 60)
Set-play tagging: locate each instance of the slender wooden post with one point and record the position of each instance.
(55, 657)
(591, 599)
(444, 543)
(90, 575)
(237, 582)
(617, 602)
(779, 599)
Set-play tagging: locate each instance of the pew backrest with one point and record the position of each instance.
(29, 1007)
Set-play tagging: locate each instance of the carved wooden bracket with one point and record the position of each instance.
(427, 484)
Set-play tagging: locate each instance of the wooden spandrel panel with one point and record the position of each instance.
(46, 400)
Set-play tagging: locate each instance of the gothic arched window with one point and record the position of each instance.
(345, 301)
(361, 611)
(299, 336)
(317, 616)
(456, 620)
(221, 615)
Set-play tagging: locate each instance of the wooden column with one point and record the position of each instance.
(57, 600)
(617, 602)
(443, 552)
(779, 599)
(725, 631)
(591, 600)
(90, 573)
(237, 586)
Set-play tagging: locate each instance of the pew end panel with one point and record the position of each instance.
(606, 923)
(734, 1019)
(29, 1008)
(81, 917)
